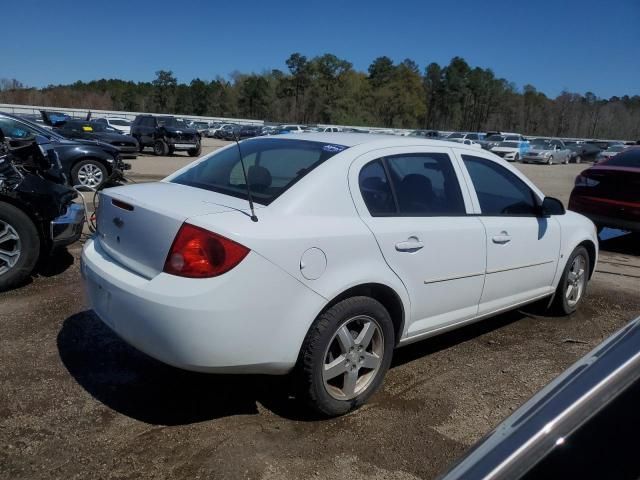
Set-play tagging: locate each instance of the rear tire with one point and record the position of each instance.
(572, 287)
(89, 173)
(160, 148)
(345, 356)
(19, 246)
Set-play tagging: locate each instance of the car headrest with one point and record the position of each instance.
(259, 177)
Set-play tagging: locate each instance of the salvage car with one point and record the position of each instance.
(84, 162)
(119, 123)
(583, 152)
(547, 151)
(511, 151)
(166, 134)
(581, 425)
(37, 213)
(126, 145)
(612, 151)
(320, 254)
(608, 192)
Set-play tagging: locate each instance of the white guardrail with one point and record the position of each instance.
(81, 113)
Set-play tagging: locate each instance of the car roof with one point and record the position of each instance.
(352, 139)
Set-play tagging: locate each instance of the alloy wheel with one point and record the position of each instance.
(90, 175)
(353, 358)
(576, 278)
(9, 247)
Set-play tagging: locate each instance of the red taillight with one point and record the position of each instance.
(198, 253)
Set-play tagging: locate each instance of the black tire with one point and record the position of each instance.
(550, 160)
(172, 149)
(579, 159)
(320, 338)
(140, 145)
(94, 165)
(160, 148)
(516, 157)
(28, 245)
(195, 152)
(561, 304)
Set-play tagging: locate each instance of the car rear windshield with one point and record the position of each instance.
(272, 165)
(628, 158)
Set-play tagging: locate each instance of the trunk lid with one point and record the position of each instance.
(138, 223)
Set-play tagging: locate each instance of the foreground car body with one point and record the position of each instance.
(579, 426)
(37, 215)
(608, 193)
(361, 243)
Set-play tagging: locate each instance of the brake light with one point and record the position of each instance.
(198, 253)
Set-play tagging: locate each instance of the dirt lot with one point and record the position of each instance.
(76, 402)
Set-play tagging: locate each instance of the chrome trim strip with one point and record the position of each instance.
(498, 270)
(458, 277)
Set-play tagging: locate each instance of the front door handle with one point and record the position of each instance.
(412, 244)
(501, 239)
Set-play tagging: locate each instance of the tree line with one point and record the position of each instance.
(327, 89)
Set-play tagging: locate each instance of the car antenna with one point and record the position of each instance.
(246, 179)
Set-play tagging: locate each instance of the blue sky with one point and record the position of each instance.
(553, 44)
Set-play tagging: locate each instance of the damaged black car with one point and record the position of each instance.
(126, 145)
(37, 211)
(88, 163)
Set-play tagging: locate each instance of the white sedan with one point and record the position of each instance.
(357, 244)
(119, 123)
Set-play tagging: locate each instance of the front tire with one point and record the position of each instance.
(195, 152)
(550, 161)
(345, 356)
(89, 173)
(516, 157)
(572, 287)
(19, 246)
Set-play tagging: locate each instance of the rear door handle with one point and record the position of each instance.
(412, 244)
(501, 239)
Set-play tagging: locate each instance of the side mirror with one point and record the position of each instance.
(552, 206)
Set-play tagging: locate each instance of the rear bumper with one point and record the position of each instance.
(252, 319)
(607, 213)
(67, 228)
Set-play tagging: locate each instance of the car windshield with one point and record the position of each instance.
(273, 166)
(456, 135)
(495, 138)
(510, 144)
(172, 122)
(30, 129)
(540, 145)
(629, 158)
(120, 123)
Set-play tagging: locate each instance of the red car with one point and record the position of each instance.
(609, 192)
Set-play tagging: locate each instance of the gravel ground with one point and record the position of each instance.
(77, 402)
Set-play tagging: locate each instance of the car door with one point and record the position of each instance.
(412, 201)
(522, 247)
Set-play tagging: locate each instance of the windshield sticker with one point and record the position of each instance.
(333, 148)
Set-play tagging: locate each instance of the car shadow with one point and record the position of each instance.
(619, 241)
(134, 384)
(55, 263)
(143, 388)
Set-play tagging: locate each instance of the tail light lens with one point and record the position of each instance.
(198, 253)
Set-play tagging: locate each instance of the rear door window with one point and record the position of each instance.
(413, 185)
